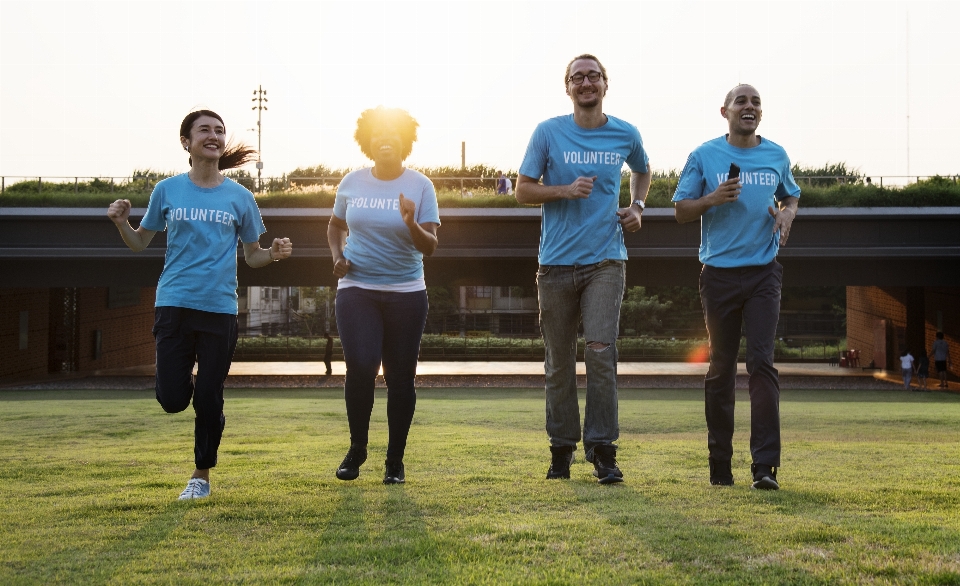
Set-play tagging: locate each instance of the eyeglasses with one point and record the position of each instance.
(577, 78)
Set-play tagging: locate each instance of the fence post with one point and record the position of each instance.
(76, 185)
(39, 184)
(111, 185)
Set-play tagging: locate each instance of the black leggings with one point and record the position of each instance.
(186, 337)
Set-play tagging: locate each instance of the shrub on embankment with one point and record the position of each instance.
(932, 192)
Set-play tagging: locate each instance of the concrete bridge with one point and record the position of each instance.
(889, 247)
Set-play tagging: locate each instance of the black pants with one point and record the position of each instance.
(186, 337)
(748, 298)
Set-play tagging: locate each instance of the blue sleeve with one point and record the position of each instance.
(251, 224)
(691, 181)
(535, 158)
(429, 208)
(788, 185)
(638, 160)
(153, 219)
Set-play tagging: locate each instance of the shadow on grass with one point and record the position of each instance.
(399, 549)
(97, 566)
(689, 545)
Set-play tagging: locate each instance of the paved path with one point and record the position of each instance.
(481, 374)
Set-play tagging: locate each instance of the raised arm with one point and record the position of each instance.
(257, 257)
(689, 210)
(119, 214)
(530, 191)
(424, 235)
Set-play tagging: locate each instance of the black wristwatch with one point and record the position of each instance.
(639, 203)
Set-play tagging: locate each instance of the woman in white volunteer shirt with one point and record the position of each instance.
(204, 214)
(384, 221)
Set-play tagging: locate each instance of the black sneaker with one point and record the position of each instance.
(350, 467)
(764, 477)
(562, 457)
(720, 473)
(605, 464)
(394, 473)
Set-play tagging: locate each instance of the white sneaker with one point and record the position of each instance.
(197, 488)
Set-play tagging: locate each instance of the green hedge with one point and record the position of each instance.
(933, 192)
(435, 347)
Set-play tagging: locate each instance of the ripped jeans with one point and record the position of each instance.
(568, 294)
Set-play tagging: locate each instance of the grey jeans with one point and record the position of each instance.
(747, 298)
(568, 294)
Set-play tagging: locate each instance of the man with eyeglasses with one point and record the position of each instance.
(579, 158)
(741, 189)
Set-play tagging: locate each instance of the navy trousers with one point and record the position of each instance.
(747, 298)
(186, 337)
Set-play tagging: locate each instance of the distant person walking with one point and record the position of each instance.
(384, 221)
(582, 258)
(204, 214)
(941, 359)
(502, 184)
(741, 189)
(906, 368)
(328, 354)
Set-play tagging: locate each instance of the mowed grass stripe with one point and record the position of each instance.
(88, 481)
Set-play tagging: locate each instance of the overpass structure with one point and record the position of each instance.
(887, 247)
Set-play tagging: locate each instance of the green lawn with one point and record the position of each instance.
(88, 482)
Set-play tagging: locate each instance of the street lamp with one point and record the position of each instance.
(260, 97)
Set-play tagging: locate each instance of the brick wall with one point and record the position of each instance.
(913, 315)
(943, 311)
(32, 361)
(125, 337)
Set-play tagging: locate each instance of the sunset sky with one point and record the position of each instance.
(99, 88)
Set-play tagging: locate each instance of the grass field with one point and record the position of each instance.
(88, 482)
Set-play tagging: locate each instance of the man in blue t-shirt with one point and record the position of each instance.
(741, 189)
(582, 258)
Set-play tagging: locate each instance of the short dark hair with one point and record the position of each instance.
(233, 155)
(390, 118)
(603, 70)
(939, 335)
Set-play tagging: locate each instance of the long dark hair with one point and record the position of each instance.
(234, 155)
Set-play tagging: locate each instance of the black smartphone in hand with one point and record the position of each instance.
(734, 171)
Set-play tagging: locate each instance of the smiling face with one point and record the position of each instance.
(207, 139)
(386, 145)
(588, 94)
(742, 110)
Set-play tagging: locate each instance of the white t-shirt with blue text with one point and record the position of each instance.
(379, 246)
(203, 226)
(739, 233)
(583, 231)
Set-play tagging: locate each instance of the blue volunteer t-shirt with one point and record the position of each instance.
(582, 231)
(740, 233)
(379, 246)
(203, 226)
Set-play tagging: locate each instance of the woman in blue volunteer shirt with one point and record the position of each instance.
(384, 220)
(204, 214)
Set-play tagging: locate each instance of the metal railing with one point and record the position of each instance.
(288, 182)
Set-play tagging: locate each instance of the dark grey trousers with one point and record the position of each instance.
(747, 297)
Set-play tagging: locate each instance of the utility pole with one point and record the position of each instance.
(463, 164)
(259, 96)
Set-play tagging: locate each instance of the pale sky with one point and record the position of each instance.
(100, 88)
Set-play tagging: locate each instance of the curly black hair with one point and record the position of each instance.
(391, 118)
